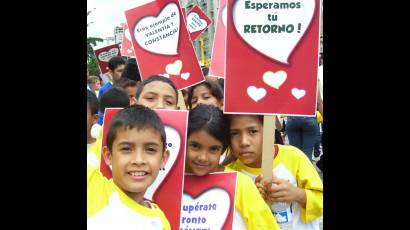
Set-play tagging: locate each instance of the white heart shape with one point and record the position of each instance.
(224, 16)
(214, 218)
(185, 76)
(276, 45)
(195, 23)
(129, 51)
(256, 93)
(174, 68)
(127, 34)
(298, 93)
(159, 34)
(173, 145)
(107, 55)
(274, 80)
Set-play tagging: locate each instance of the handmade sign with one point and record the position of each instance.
(162, 44)
(208, 201)
(166, 191)
(104, 54)
(126, 48)
(217, 66)
(271, 57)
(197, 22)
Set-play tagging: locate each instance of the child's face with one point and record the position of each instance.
(246, 134)
(136, 157)
(203, 153)
(158, 95)
(117, 72)
(202, 95)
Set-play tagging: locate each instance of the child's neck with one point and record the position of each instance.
(138, 197)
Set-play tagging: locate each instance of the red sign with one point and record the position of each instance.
(103, 55)
(162, 44)
(271, 57)
(208, 201)
(217, 66)
(126, 48)
(184, 14)
(197, 22)
(166, 191)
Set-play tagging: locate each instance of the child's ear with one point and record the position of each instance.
(108, 155)
(165, 157)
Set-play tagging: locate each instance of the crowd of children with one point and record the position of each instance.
(136, 150)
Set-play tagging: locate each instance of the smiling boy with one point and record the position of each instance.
(136, 150)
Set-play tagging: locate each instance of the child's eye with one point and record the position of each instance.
(151, 150)
(169, 102)
(215, 149)
(149, 98)
(193, 101)
(126, 149)
(194, 146)
(253, 131)
(234, 134)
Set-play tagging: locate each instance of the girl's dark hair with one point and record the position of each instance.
(213, 86)
(230, 117)
(210, 119)
(135, 116)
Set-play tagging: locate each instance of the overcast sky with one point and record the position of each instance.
(107, 15)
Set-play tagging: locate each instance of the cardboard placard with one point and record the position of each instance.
(166, 191)
(268, 145)
(126, 48)
(162, 44)
(208, 201)
(197, 22)
(271, 57)
(104, 54)
(217, 66)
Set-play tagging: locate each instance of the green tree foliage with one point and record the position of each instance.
(91, 60)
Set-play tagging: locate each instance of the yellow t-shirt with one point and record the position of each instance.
(253, 212)
(108, 207)
(293, 165)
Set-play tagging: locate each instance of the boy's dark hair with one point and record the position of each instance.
(230, 117)
(135, 116)
(212, 120)
(114, 62)
(114, 97)
(156, 78)
(92, 101)
(125, 82)
(131, 70)
(213, 86)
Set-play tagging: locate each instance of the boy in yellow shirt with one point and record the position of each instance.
(295, 193)
(136, 150)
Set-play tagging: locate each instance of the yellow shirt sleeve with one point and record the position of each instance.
(309, 180)
(255, 212)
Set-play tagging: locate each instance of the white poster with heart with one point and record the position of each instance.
(271, 56)
(104, 54)
(197, 22)
(208, 201)
(279, 22)
(162, 43)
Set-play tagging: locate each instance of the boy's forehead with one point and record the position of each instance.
(245, 120)
(159, 87)
(141, 130)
